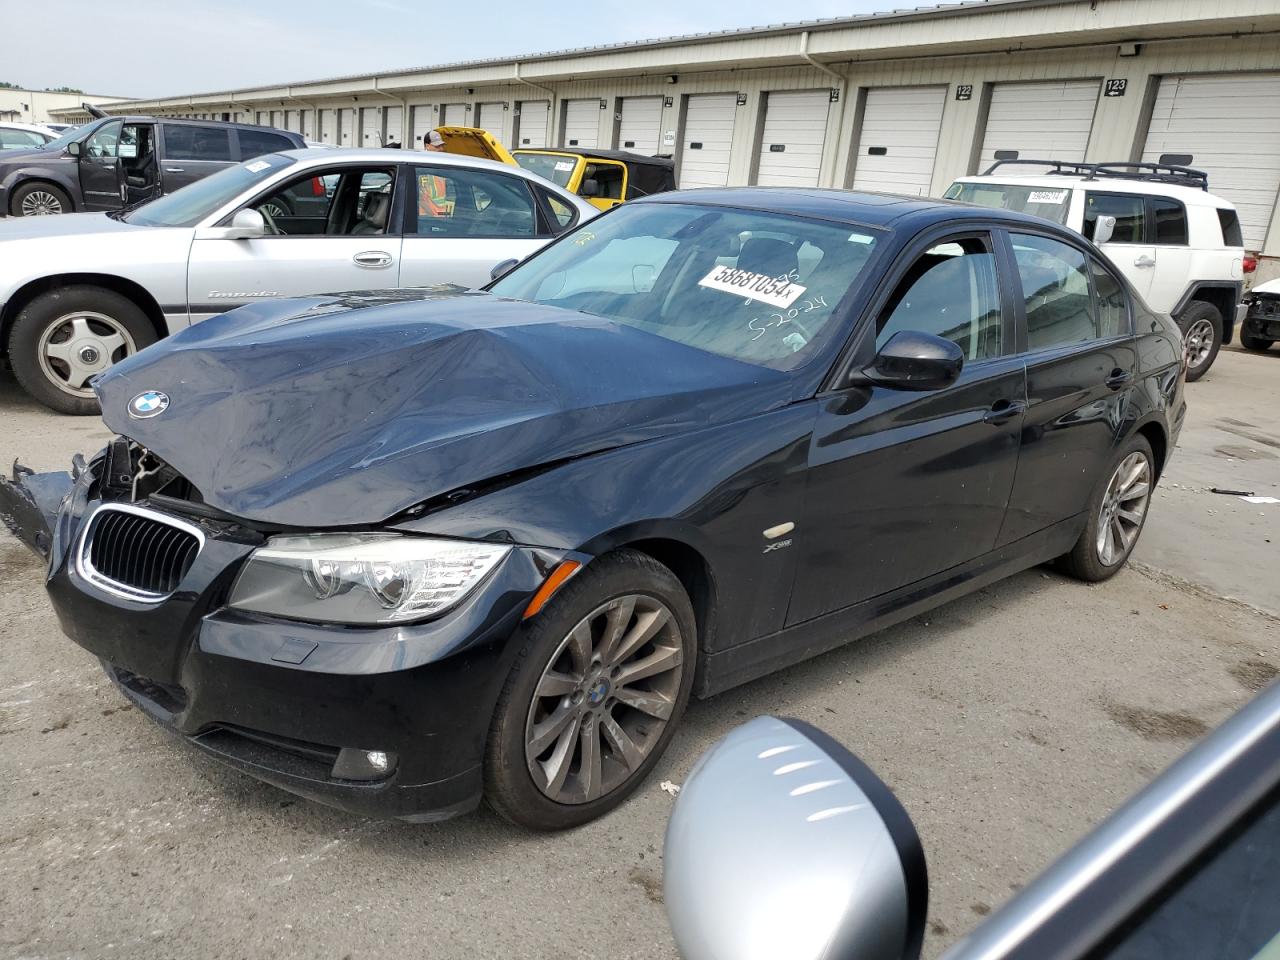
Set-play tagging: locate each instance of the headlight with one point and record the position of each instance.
(361, 578)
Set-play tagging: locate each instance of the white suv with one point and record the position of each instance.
(1178, 245)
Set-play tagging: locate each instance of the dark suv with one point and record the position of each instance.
(115, 162)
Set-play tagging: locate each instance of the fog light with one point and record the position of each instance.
(353, 764)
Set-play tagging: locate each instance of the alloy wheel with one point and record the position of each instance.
(78, 346)
(1199, 342)
(604, 699)
(40, 203)
(1123, 509)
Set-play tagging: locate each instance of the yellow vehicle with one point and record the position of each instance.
(604, 178)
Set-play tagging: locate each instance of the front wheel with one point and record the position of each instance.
(600, 683)
(39, 200)
(1117, 513)
(1201, 325)
(62, 339)
(1250, 342)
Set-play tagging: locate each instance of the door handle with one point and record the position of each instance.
(373, 258)
(1144, 261)
(1002, 411)
(175, 170)
(1118, 378)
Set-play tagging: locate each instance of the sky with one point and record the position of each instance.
(154, 48)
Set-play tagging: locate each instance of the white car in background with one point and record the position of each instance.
(82, 291)
(24, 136)
(1177, 244)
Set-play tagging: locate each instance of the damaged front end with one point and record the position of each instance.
(30, 503)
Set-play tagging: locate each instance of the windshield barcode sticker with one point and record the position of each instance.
(257, 166)
(564, 165)
(777, 291)
(1047, 196)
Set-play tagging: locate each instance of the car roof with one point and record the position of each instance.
(33, 127)
(1190, 196)
(187, 121)
(844, 206)
(312, 156)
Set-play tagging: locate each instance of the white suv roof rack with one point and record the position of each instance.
(1122, 170)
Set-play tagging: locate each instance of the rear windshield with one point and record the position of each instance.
(548, 166)
(1048, 202)
(194, 202)
(1231, 235)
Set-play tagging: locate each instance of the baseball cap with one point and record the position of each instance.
(433, 137)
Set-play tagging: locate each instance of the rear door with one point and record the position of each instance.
(332, 230)
(100, 177)
(461, 223)
(902, 484)
(1130, 248)
(189, 151)
(1076, 337)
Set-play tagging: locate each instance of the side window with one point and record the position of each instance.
(191, 142)
(456, 202)
(1171, 221)
(1055, 288)
(20, 139)
(1113, 303)
(104, 141)
(1229, 220)
(254, 143)
(565, 215)
(951, 292)
(1128, 209)
(608, 178)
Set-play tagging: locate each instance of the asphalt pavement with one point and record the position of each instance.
(1007, 722)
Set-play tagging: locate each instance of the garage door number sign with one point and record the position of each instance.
(775, 291)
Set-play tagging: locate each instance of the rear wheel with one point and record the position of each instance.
(38, 200)
(62, 339)
(1250, 342)
(1117, 513)
(595, 695)
(1201, 325)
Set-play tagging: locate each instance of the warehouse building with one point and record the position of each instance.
(903, 101)
(18, 105)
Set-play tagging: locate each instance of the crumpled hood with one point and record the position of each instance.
(1271, 288)
(309, 413)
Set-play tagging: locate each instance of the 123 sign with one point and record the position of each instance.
(1116, 88)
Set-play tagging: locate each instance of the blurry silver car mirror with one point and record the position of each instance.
(503, 268)
(246, 224)
(783, 844)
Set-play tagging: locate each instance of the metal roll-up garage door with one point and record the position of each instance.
(328, 126)
(275, 118)
(347, 134)
(453, 114)
(532, 130)
(489, 117)
(898, 141)
(581, 123)
(1041, 121)
(291, 120)
(795, 129)
(706, 148)
(640, 128)
(423, 121)
(1230, 125)
(394, 117)
(370, 127)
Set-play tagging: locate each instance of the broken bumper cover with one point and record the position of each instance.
(29, 505)
(280, 700)
(1262, 319)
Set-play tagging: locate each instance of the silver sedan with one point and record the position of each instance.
(81, 292)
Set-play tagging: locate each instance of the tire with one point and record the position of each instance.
(39, 199)
(587, 606)
(94, 328)
(1087, 560)
(1201, 325)
(1250, 342)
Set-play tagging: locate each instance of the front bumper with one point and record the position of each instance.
(1262, 318)
(278, 699)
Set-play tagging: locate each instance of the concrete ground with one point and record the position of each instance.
(1008, 723)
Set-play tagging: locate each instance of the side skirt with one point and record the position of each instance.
(748, 661)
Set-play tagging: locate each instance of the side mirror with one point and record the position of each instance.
(1104, 229)
(246, 224)
(783, 844)
(74, 148)
(916, 361)
(503, 268)
(589, 188)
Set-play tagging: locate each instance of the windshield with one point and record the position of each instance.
(194, 202)
(757, 287)
(1048, 202)
(548, 166)
(75, 133)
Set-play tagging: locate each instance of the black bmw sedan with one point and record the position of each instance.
(400, 552)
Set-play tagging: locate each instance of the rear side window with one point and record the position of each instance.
(1128, 209)
(1170, 221)
(1231, 235)
(1055, 289)
(191, 142)
(457, 202)
(1113, 304)
(565, 215)
(254, 143)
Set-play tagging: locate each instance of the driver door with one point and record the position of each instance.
(331, 230)
(100, 177)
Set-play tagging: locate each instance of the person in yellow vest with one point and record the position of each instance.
(433, 191)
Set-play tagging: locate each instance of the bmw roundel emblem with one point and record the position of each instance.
(148, 404)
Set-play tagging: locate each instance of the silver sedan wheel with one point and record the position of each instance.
(77, 347)
(40, 203)
(1124, 507)
(1199, 342)
(605, 698)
